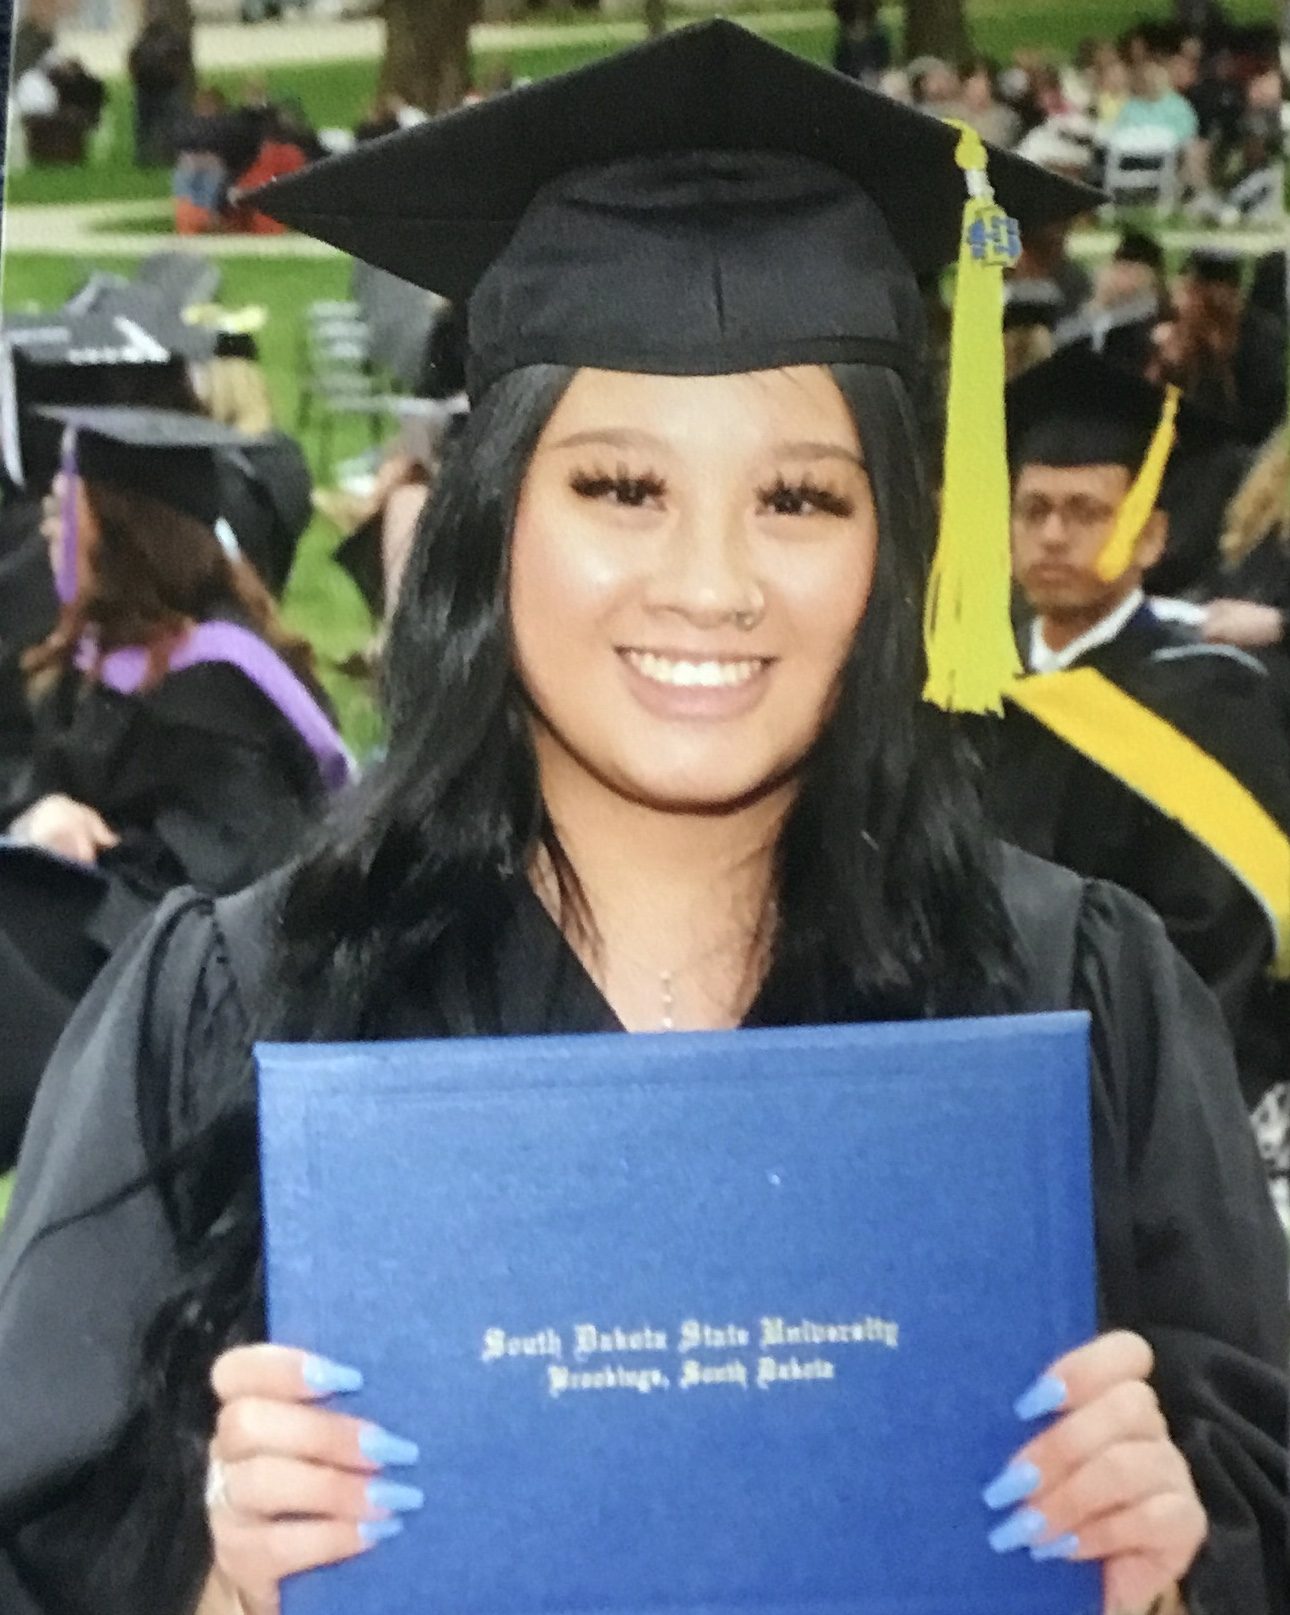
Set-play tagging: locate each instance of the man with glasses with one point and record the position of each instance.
(1132, 752)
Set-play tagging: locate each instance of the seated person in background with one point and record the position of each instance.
(1136, 754)
(861, 45)
(1044, 257)
(1252, 601)
(381, 118)
(981, 107)
(177, 735)
(1228, 356)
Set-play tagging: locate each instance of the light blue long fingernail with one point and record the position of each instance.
(1018, 1480)
(1046, 1395)
(1062, 1547)
(379, 1530)
(393, 1498)
(321, 1374)
(383, 1448)
(1018, 1530)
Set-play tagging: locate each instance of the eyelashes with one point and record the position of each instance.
(618, 487)
(802, 496)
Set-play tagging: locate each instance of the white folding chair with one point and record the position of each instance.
(1143, 169)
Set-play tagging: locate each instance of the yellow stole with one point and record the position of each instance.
(1165, 768)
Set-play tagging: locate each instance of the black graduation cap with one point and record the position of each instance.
(1121, 334)
(1032, 303)
(1218, 266)
(124, 346)
(1078, 408)
(266, 496)
(165, 454)
(703, 203)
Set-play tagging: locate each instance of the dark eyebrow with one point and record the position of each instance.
(628, 438)
(819, 451)
(614, 436)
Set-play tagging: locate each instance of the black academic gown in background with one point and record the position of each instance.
(1188, 1248)
(1050, 799)
(28, 613)
(206, 784)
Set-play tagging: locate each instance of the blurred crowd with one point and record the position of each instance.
(1182, 112)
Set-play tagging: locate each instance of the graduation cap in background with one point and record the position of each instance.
(708, 203)
(265, 492)
(129, 347)
(1216, 266)
(164, 454)
(1078, 408)
(1028, 304)
(1121, 334)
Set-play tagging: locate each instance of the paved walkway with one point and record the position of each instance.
(82, 230)
(232, 45)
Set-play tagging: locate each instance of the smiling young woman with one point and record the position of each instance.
(657, 757)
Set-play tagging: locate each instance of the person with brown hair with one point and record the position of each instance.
(177, 738)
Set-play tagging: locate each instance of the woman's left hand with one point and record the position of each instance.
(1104, 1480)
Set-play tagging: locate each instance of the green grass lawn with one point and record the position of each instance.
(321, 601)
(335, 94)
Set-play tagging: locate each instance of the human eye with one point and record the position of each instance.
(621, 487)
(1086, 512)
(804, 496)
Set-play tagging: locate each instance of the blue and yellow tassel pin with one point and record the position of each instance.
(971, 653)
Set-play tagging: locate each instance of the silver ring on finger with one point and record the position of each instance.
(216, 1485)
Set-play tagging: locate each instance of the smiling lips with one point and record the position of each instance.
(711, 673)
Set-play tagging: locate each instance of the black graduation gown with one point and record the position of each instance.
(206, 784)
(1189, 1251)
(1050, 799)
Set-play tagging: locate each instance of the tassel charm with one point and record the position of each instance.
(971, 653)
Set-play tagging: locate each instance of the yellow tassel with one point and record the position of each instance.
(971, 652)
(1133, 515)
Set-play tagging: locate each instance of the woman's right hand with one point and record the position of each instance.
(70, 828)
(296, 1485)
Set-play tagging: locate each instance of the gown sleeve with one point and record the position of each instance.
(1191, 1253)
(86, 1255)
(230, 789)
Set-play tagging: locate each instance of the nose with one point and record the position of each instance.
(705, 572)
(1052, 532)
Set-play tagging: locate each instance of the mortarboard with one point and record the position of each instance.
(1121, 333)
(125, 346)
(703, 203)
(165, 454)
(1078, 408)
(708, 203)
(1030, 303)
(1217, 266)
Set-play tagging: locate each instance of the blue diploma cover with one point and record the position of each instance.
(715, 1322)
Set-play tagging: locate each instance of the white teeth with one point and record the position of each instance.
(693, 675)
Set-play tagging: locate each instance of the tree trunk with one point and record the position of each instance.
(936, 28)
(655, 17)
(427, 51)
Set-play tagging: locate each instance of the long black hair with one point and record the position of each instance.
(887, 904)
